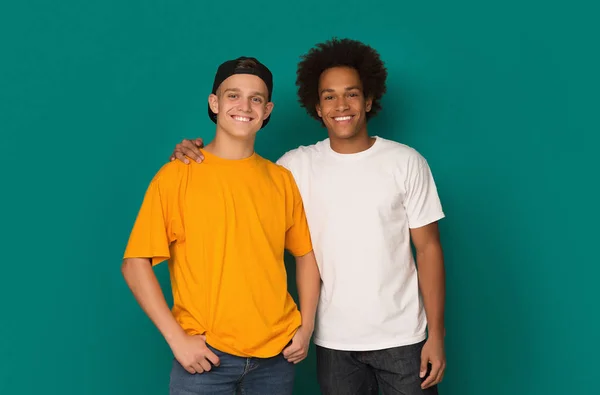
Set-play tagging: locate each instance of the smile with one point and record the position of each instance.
(240, 118)
(343, 119)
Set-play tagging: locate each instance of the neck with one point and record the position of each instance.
(357, 143)
(227, 146)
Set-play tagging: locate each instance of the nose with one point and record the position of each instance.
(245, 105)
(342, 104)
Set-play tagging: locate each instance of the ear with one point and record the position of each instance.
(213, 102)
(268, 109)
(368, 103)
(318, 108)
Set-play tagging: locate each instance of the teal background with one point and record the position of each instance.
(500, 97)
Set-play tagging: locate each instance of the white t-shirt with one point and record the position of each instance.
(360, 208)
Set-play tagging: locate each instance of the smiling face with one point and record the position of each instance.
(241, 105)
(342, 105)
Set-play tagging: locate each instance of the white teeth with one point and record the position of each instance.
(241, 119)
(342, 118)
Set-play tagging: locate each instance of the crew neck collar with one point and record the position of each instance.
(210, 158)
(352, 156)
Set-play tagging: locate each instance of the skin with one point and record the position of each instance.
(241, 106)
(341, 95)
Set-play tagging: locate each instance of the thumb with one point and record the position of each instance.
(286, 350)
(424, 361)
(203, 337)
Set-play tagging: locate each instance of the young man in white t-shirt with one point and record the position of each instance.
(380, 322)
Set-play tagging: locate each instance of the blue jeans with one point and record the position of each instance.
(236, 375)
(393, 371)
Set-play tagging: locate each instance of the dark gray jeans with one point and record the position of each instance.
(393, 371)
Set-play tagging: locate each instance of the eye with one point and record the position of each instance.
(232, 96)
(328, 97)
(353, 94)
(257, 100)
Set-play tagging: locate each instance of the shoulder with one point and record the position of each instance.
(171, 173)
(275, 168)
(401, 155)
(397, 149)
(301, 154)
(282, 177)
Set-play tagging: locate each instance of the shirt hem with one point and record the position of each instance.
(372, 346)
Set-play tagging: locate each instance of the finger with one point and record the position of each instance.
(297, 353)
(435, 369)
(212, 357)
(179, 155)
(205, 365)
(193, 153)
(197, 367)
(291, 349)
(440, 375)
(191, 149)
(179, 152)
(297, 358)
(190, 369)
(286, 350)
(188, 143)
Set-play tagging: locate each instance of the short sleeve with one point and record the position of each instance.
(297, 237)
(422, 201)
(152, 232)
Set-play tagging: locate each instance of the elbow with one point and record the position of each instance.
(129, 265)
(125, 267)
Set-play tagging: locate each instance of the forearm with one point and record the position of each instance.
(308, 281)
(144, 285)
(432, 283)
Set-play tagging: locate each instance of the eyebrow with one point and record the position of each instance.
(255, 93)
(348, 88)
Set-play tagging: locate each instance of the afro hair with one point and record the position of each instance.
(340, 53)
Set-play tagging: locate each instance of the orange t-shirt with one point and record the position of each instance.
(223, 225)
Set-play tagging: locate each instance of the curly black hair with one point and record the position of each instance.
(340, 53)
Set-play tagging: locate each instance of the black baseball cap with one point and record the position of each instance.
(230, 67)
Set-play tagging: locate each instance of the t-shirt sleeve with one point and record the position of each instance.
(422, 201)
(152, 232)
(297, 237)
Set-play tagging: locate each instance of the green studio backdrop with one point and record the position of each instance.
(500, 97)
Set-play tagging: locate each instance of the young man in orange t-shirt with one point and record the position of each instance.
(223, 226)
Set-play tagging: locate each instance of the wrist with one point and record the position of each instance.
(308, 325)
(436, 334)
(174, 335)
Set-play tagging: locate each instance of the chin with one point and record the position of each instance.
(344, 134)
(243, 134)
